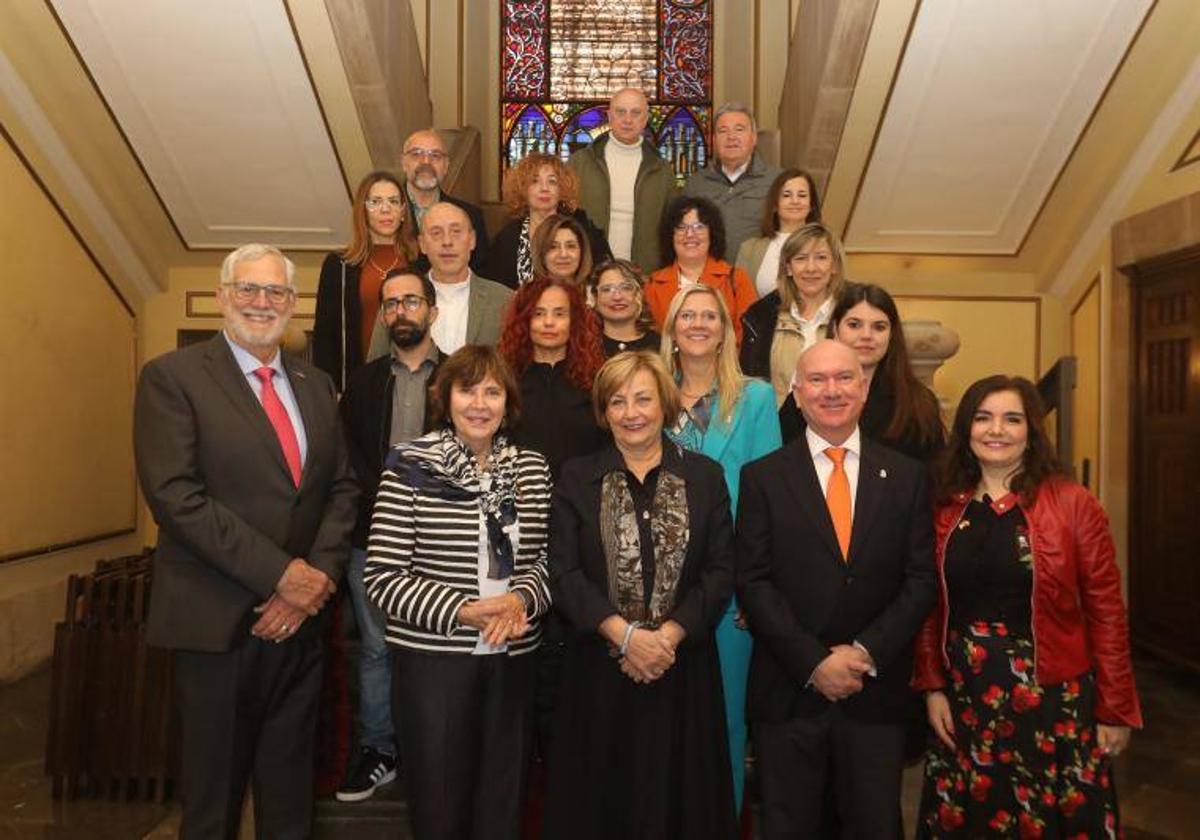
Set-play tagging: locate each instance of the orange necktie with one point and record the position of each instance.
(837, 497)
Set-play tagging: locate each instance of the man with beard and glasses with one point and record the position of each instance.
(242, 461)
(384, 405)
(425, 163)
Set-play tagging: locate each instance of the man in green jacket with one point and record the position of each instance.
(623, 182)
(738, 179)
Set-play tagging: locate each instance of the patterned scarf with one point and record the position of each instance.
(524, 256)
(441, 465)
(669, 532)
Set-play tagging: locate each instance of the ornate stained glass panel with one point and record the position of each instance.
(562, 59)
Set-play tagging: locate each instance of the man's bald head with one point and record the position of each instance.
(628, 111)
(447, 238)
(830, 389)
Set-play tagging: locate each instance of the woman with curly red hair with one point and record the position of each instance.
(538, 187)
(552, 341)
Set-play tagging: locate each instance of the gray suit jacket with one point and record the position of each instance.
(485, 316)
(230, 518)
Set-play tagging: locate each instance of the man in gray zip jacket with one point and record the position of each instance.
(738, 179)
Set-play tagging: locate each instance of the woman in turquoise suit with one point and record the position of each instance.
(731, 419)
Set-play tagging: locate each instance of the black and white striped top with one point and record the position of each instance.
(423, 560)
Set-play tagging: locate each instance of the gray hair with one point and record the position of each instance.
(256, 251)
(735, 107)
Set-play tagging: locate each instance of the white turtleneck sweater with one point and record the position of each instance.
(623, 162)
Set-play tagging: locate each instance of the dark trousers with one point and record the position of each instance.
(794, 758)
(249, 713)
(465, 726)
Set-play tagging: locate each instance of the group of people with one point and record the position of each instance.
(612, 507)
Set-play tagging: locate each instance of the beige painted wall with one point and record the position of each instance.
(67, 363)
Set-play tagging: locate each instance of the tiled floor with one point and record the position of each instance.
(1158, 778)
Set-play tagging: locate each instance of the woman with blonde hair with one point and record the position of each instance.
(641, 564)
(538, 187)
(616, 290)
(731, 419)
(777, 328)
(348, 291)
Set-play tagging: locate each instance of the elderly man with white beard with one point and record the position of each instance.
(242, 461)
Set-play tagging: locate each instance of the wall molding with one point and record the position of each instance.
(53, 548)
(75, 183)
(1177, 109)
(203, 304)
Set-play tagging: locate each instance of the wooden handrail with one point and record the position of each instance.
(1057, 389)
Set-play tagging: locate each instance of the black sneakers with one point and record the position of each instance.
(373, 770)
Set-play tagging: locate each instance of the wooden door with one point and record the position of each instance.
(1164, 567)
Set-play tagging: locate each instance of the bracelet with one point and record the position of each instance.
(624, 648)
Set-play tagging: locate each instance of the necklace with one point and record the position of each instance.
(383, 271)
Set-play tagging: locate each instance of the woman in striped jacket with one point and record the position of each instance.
(456, 560)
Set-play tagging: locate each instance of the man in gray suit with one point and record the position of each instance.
(242, 462)
(470, 307)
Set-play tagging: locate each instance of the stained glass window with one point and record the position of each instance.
(562, 59)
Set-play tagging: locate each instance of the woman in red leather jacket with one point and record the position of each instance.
(1025, 662)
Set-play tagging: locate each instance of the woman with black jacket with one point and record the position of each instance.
(538, 187)
(900, 413)
(348, 291)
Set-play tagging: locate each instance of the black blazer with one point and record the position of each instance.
(758, 333)
(801, 598)
(367, 414)
(502, 256)
(579, 572)
(229, 517)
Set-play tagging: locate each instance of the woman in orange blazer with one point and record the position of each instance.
(690, 235)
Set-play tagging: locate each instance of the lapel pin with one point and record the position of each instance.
(883, 473)
(966, 523)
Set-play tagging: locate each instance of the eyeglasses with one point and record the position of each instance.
(431, 155)
(375, 203)
(244, 292)
(610, 289)
(411, 303)
(694, 227)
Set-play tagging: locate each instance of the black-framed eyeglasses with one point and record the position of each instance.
(245, 292)
(411, 303)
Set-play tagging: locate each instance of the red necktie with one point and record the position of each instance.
(837, 497)
(278, 416)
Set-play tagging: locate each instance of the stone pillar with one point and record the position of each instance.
(930, 344)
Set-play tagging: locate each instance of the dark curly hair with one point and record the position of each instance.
(709, 215)
(585, 350)
(958, 469)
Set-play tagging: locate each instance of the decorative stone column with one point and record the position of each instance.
(930, 344)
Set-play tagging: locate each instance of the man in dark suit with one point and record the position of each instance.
(426, 162)
(241, 459)
(835, 574)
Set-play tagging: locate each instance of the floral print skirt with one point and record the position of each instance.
(1027, 763)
